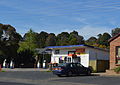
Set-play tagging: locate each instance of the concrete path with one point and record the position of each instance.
(105, 74)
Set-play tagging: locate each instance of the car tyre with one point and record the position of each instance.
(88, 72)
(59, 75)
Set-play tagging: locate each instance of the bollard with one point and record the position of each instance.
(0, 67)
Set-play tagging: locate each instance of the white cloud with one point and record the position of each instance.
(88, 31)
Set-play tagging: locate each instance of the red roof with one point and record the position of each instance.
(111, 39)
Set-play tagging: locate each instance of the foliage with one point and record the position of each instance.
(103, 39)
(117, 69)
(29, 42)
(115, 31)
(63, 39)
(25, 58)
(91, 41)
(1, 59)
(75, 39)
(9, 39)
(41, 38)
(51, 40)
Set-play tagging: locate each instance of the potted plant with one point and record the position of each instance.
(117, 69)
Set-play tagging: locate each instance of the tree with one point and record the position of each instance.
(115, 31)
(91, 41)
(63, 39)
(42, 36)
(103, 39)
(29, 42)
(25, 58)
(75, 39)
(9, 39)
(51, 40)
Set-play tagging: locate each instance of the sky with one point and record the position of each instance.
(88, 17)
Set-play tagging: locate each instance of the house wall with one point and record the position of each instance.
(96, 54)
(99, 59)
(113, 44)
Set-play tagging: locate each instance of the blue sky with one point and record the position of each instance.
(88, 17)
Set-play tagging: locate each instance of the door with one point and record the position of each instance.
(80, 69)
(73, 68)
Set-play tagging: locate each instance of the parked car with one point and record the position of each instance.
(70, 69)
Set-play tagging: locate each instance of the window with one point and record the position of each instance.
(69, 60)
(79, 65)
(118, 55)
(57, 51)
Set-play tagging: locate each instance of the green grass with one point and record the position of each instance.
(2, 71)
(49, 71)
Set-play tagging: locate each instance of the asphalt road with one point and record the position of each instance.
(47, 78)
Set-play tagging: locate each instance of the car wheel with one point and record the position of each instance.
(88, 72)
(59, 75)
(69, 73)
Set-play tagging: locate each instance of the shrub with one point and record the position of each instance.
(117, 69)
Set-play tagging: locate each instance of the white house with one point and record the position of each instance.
(88, 56)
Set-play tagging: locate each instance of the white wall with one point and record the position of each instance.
(85, 60)
(96, 54)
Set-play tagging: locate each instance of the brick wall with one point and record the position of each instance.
(113, 44)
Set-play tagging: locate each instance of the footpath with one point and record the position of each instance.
(106, 74)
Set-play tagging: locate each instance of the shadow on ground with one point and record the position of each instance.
(12, 83)
(79, 75)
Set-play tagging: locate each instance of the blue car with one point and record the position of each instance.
(70, 69)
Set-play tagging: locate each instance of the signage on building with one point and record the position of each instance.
(80, 51)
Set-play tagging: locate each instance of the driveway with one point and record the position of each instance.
(47, 78)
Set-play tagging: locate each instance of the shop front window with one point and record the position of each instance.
(118, 55)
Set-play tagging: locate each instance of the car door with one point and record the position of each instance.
(75, 69)
(71, 68)
(80, 68)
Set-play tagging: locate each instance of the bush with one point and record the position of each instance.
(117, 69)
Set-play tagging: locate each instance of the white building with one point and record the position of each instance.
(88, 56)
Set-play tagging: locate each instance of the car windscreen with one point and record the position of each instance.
(63, 64)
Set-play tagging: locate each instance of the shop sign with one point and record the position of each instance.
(80, 51)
